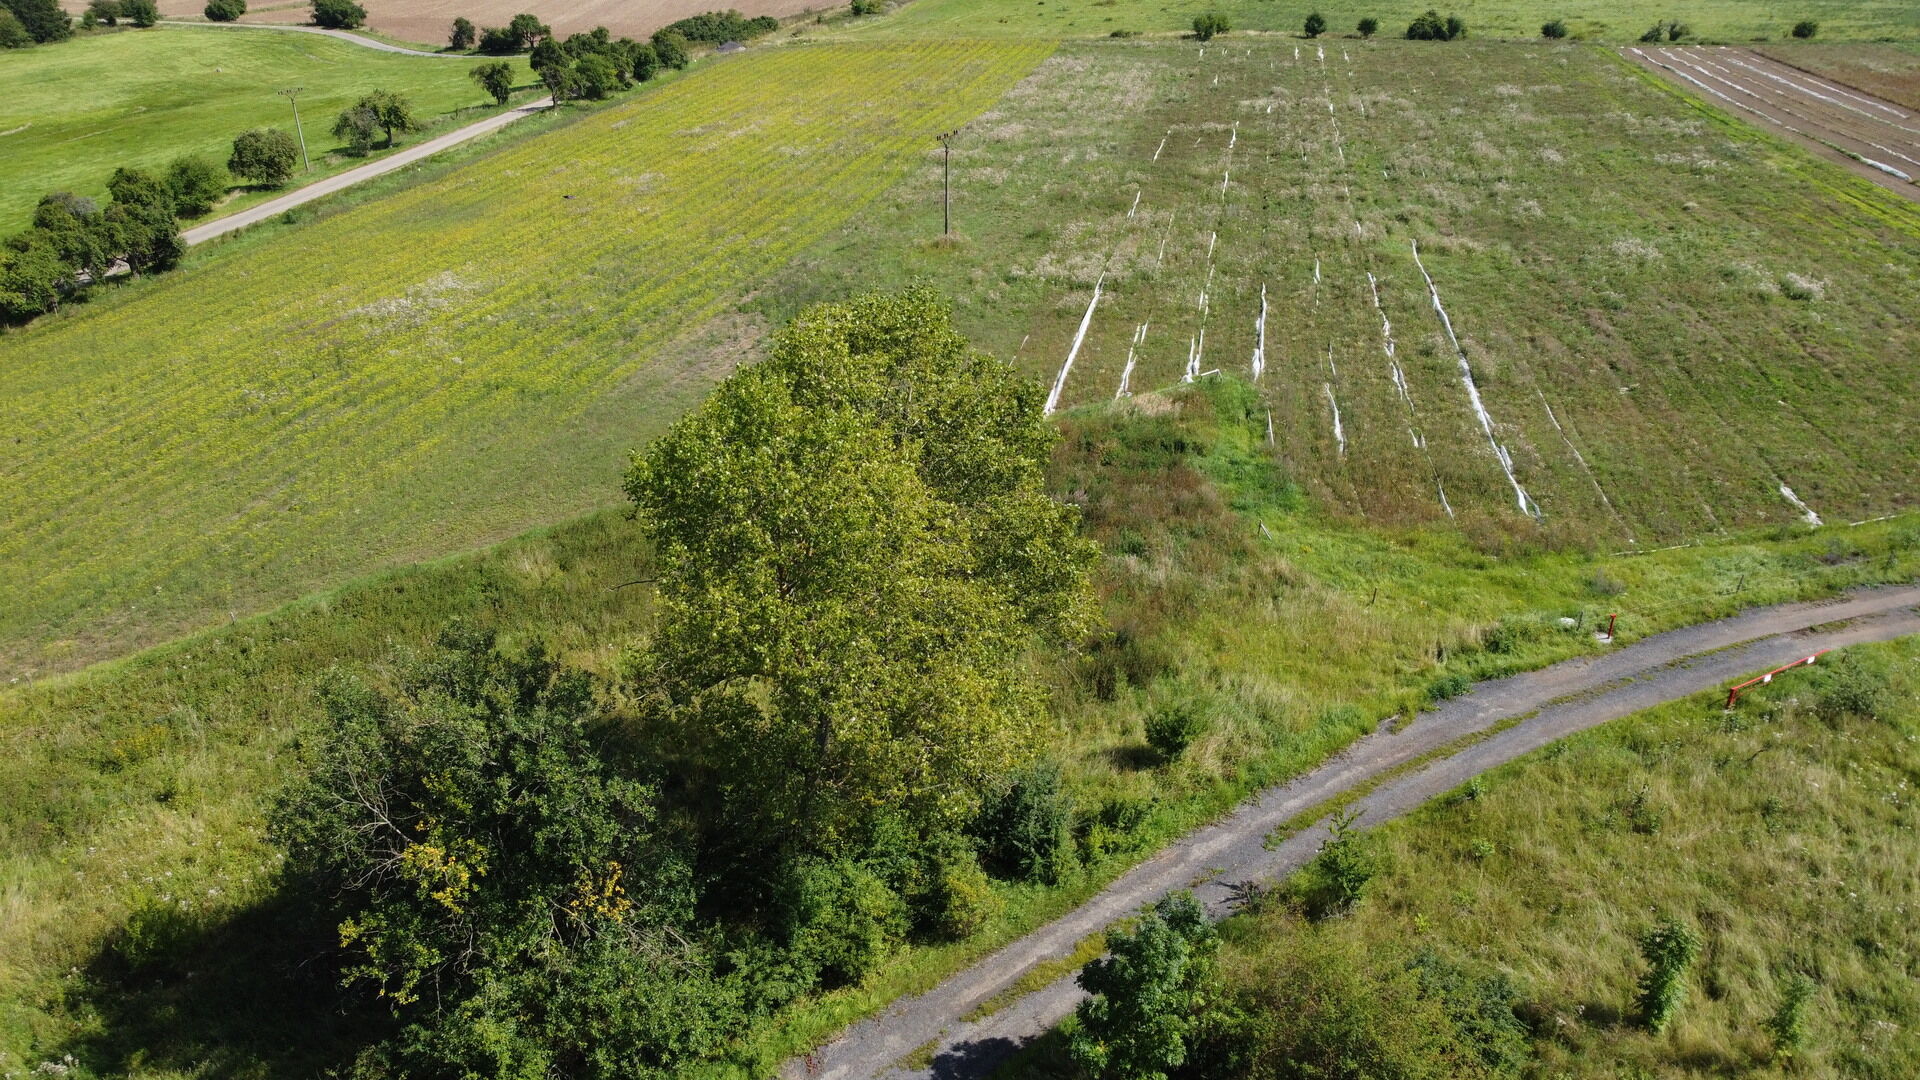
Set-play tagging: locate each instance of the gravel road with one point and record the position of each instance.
(1552, 703)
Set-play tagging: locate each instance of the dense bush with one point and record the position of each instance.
(1209, 23)
(1805, 29)
(867, 7)
(1025, 829)
(715, 27)
(1669, 948)
(265, 156)
(104, 11)
(1336, 879)
(196, 184)
(1666, 30)
(1431, 27)
(42, 20)
(338, 14)
(1553, 31)
(499, 41)
(141, 13)
(1368, 26)
(1316, 25)
(13, 34)
(463, 35)
(671, 49)
(224, 10)
(1172, 727)
(1145, 994)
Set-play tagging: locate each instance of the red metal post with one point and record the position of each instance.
(1610, 619)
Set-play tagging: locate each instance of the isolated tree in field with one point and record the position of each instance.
(196, 184)
(671, 48)
(13, 34)
(224, 10)
(1145, 994)
(1805, 29)
(496, 883)
(1316, 25)
(528, 31)
(855, 550)
(463, 36)
(105, 11)
(42, 19)
(496, 79)
(1368, 26)
(1553, 31)
(338, 14)
(141, 13)
(1668, 948)
(1209, 23)
(266, 156)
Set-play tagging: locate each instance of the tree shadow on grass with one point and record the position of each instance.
(248, 995)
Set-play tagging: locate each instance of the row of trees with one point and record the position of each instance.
(1428, 27)
(595, 64)
(74, 242)
(803, 767)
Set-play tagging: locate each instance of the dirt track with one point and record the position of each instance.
(1555, 702)
(1875, 138)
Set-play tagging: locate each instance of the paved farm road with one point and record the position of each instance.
(343, 35)
(1556, 701)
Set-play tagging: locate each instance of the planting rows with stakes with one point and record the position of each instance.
(421, 373)
(1517, 289)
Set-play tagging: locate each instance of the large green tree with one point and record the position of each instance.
(856, 554)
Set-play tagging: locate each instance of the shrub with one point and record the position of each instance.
(1787, 1027)
(1431, 27)
(868, 7)
(1316, 25)
(496, 79)
(1554, 31)
(963, 898)
(1172, 727)
(1450, 685)
(141, 13)
(1851, 689)
(1805, 29)
(1209, 23)
(714, 27)
(224, 10)
(1668, 948)
(41, 20)
(1144, 994)
(338, 14)
(598, 77)
(265, 156)
(1024, 831)
(1368, 26)
(106, 11)
(196, 184)
(1666, 29)
(1337, 877)
(463, 35)
(498, 41)
(842, 919)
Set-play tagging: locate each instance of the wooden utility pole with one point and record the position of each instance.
(291, 93)
(946, 181)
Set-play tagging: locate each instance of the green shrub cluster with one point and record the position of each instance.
(337, 14)
(1208, 24)
(1666, 30)
(75, 243)
(33, 22)
(1429, 26)
(715, 27)
(224, 10)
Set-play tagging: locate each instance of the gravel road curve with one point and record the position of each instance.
(1551, 703)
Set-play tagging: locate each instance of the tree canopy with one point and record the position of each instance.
(855, 552)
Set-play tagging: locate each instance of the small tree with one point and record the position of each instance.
(141, 13)
(1172, 727)
(1316, 25)
(528, 31)
(105, 11)
(33, 277)
(672, 49)
(13, 35)
(642, 60)
(393, 113)
(867, 7)
(141, 218)
(1787, 1027)
(1669, 948)
(1145, 994)
(338, 14)
(1805, 29)
(1209, 23)
(196, 184)
(496, 79)
(1456, 28)
(1553, 31)
(1368, 27)
(597, 76)
(357, 127)
(1427, 27)
(224, 10)
(560, 80)
(463, 36)
(265, 156)
(1023, 830)
(43, 20)
(1337, 877)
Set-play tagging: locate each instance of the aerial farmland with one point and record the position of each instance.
(959, 538)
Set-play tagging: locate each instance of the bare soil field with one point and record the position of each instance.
(1870, 135)
(429, 21)
(1890, 71)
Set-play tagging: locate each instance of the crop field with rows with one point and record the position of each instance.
(1523, 290)
(453, 363)
(70, 116)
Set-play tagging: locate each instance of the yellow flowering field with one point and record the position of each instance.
(456, 362)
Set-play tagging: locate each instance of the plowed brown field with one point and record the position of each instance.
(1872, 136)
